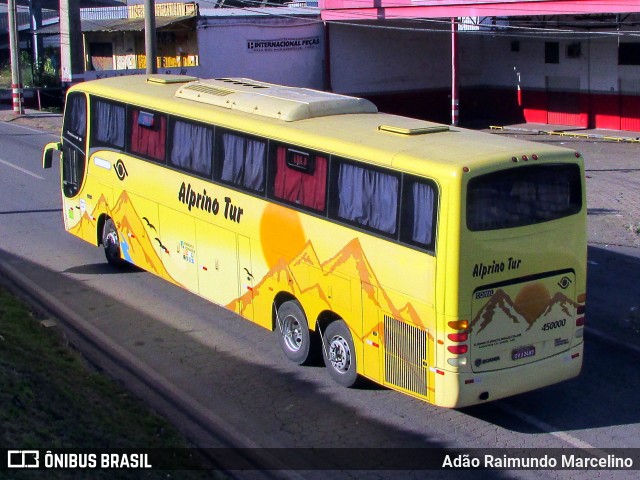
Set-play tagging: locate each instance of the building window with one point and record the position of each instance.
(629, 53)
(551, 52)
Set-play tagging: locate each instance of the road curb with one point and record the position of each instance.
(214, 425)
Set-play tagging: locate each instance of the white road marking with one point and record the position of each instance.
(34, 130)
(551, 430)
(23, 170)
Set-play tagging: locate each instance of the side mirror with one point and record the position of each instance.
(47, 154)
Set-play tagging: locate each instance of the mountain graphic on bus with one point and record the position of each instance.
(86, 226)
(531, 305)
(306, 276)
(135, 243)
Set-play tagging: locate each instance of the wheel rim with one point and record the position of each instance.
(111, 239)
(292, 333)
(111, 243)
(339, 354)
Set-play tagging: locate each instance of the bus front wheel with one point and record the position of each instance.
(293, 332)
(339, 354)
(111, 243)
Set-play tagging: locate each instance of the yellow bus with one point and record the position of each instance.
(444, 263)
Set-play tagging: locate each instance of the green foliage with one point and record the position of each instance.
(50, 398)
(45, 73)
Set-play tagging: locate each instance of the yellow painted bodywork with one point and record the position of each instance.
(241, 251)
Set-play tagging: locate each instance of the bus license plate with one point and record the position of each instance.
(523, 352)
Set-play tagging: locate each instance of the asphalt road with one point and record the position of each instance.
(225, 382)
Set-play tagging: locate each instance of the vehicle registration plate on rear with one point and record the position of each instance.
(523, 352)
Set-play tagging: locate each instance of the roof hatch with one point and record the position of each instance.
(273, 101)
(167, 79)
(415, 130)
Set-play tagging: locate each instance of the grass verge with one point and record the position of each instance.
(50, 399)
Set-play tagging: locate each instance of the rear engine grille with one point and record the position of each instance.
(405, 352)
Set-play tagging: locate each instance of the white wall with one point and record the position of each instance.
(369, 60)
(230, 47)
(596, 67)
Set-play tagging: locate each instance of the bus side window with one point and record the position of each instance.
(419, 207)
(242, 161)
(148, 134)
(191, 147)
(75, 118)
(367, 197)
(108, 124)
(300, 178)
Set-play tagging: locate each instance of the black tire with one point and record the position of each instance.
(111, 244)
(339, 354)
(293, 333)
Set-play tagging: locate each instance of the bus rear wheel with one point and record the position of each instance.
(293, 332)
(111, 244)
(339, 354)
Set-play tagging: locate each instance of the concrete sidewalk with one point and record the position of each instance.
(572, 131)
(49, 122)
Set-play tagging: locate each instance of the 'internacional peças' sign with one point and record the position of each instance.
(282, 44)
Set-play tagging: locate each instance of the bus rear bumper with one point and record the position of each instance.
(457, 390)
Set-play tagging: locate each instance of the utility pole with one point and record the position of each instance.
(71, 44)
(455, 102)
(150, 42)
(35, 15)
(16, 75)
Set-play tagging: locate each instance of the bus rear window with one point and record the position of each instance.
(523, 196)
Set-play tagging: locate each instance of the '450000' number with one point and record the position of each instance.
(552, 325)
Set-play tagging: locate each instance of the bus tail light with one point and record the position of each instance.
(580, 311)
(459, 337)
(459, 324)
(458, 349)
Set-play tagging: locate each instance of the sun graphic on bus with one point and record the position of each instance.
(281, 234)
(531, 301)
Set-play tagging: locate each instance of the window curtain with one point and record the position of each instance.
(110, 124)
(368, 198)
(300, 187)
(192, 147)
(149, 142)
(423, 198)
(243, 161)
(254, 164)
